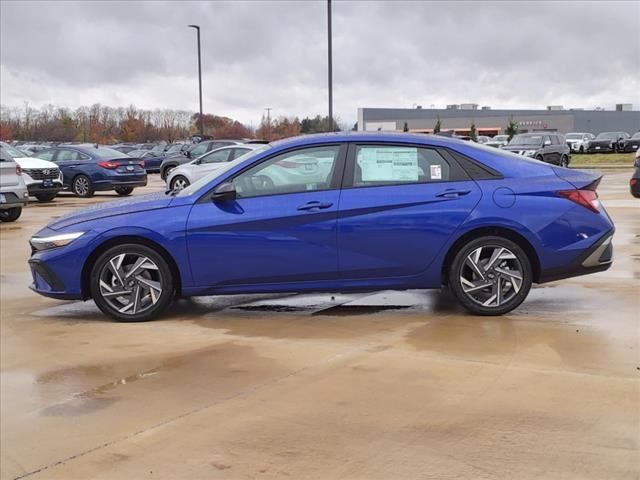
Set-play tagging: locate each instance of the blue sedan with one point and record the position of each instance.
(152, 161)
(336, 212)
(87, 169)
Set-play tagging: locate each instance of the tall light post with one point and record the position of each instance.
(199, 79)
(330, 59)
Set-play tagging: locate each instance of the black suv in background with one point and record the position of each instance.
(548, 147)
(608, 142)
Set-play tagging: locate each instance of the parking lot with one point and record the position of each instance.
(360, 386)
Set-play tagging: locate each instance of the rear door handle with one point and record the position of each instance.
(315, 206)
(452, 193)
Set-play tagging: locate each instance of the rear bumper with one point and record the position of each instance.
(113, 183)
(12, 200)
(598, 258)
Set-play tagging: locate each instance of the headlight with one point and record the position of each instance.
(530, 153)
(54, 241)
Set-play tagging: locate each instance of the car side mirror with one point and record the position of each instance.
(224, 193)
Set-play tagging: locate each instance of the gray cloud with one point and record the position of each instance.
(264, 53)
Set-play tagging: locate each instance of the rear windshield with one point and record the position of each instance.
(9, 152)
(102, 152)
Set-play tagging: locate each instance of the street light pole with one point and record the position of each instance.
(199, 79)
(330, 59)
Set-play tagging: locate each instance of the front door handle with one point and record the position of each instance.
(452, 193)
(315, 206)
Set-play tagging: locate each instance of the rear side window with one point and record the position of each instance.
(67, 155)
(397, 165)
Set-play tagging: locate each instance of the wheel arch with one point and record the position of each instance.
(499, 231)
(118, 240)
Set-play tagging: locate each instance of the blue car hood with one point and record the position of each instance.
(152, 201)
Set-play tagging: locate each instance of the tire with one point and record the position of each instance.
(581, 150)
(167, 170)
(81, 187)
(124, 191)
(148, 293)
(179, 182)
(540, 157)
(503, 291)
(45, 197)
(10, 214)
(564, 161)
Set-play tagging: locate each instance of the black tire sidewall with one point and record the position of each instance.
(10, 214)
(458, 262)
(73, 187)
(124, 191)
(45, 197)
(168, 288)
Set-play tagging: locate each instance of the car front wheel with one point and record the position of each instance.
(490, 275)
(132, 283)
(45, 197)
(564, 161)
(179, 182)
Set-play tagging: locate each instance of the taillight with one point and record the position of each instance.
(141, 164)
(633, 181)
(586, 198)
(109, 165)
(18, 170)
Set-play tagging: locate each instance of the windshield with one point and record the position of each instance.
(526, 140)
(11, 152)
(574, 136)
(607, 136)
(499, 138)
(636, 136)
(224, 167)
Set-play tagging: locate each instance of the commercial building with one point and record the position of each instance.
(492, 122)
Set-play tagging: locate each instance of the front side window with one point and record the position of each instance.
(309, 169)
(217, 156)
(238, 152)
(393, 165)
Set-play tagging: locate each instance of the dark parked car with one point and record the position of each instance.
(124, 148)
(632, 144)
(548, 147)
(194, 151)
(152, 161)
(634, 183)
(87, 168)
(608, 142)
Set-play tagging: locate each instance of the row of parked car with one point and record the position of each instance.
(605, 142)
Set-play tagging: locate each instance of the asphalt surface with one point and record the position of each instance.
(395, 385)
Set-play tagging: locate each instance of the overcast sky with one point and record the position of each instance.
(258, 54)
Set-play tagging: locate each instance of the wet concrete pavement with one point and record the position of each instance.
(390, 385)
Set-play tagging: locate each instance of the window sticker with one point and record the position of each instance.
(386, 164)
(436, 172)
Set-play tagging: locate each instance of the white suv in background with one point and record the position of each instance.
(42, 177)
(13, 191)
(579, 142)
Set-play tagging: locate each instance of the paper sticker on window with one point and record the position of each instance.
(386, 164)
(436, 172)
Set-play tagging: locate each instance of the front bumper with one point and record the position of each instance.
(35, 188)
(598, 258)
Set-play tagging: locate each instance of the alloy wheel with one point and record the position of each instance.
(81, 186)
(491, 276)
(180, 183)
(130, 283)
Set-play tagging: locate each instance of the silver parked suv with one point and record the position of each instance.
(13, 191)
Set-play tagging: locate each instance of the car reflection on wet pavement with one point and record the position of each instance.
(385, 385)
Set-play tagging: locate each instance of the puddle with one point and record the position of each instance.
(204, 368)
(271, 308)
(346, 310)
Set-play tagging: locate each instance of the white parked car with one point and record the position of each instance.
(42, 177)
(498, 141)
(13, 191)
(186, 174)
(579, 142)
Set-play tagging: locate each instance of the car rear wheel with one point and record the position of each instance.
(124, 191)
(45, 197)
(179, 182)
(490, 275)
(132, 283)
(540, 157)
(581, 150)
(564, 161)
(10, 214)
(81, 187)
